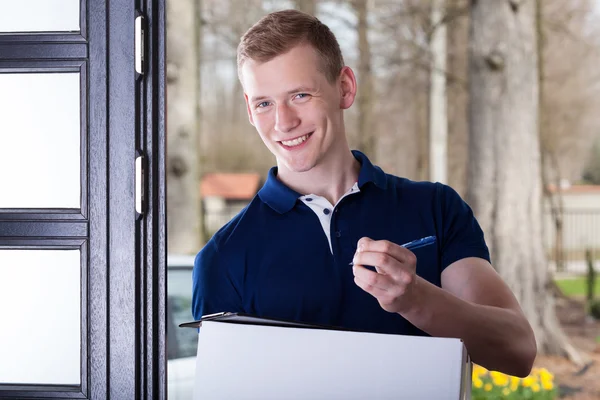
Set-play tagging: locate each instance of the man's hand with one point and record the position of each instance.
(393, 283)
(473, 304)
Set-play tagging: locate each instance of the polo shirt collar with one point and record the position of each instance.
(369, 172)
(282, 199)
(276, 195)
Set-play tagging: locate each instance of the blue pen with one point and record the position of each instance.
(416, 244)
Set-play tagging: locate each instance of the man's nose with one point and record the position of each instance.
(287, 119)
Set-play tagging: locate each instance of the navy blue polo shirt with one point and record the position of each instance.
(275, 260)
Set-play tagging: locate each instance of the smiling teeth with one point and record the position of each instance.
(295, 142)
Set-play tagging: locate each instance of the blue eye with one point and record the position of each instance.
(263, 104)
(301, 95)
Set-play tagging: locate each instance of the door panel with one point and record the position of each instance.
(39, 15)
(43, 343)
(70, 236)
(40, 156)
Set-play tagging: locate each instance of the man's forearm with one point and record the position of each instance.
(496, 338)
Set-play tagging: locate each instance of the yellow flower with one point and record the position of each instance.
(547, 385)
(487, 387)
(528, 381)
(545, 375)
(506, 391)
(514, 383)
(478, 371)
(535, 387)
(478, 383)
(499, 378)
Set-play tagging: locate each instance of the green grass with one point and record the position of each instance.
(577, 286)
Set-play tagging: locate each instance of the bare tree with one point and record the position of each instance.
(570, 52)
(199, 36)
(505, 168)
(438, 114)
(366, 134)
(419, 33)
(418, 28)
(569, 99)
(549, 161)
(400, 67)
(457, 93)
(232, 143)
(183, 197)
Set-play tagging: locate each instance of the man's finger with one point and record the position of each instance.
(372, 278)
(372, 290)
(385, 246)
(383, 262)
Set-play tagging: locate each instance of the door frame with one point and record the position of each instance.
(123, 265)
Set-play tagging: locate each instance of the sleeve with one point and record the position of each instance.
(212, 288)
(462, 235)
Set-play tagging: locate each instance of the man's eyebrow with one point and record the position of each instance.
(299, 89)
(302, 89)
(257, 98)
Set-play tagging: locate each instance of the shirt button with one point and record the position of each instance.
(338, 234)
(308, 199)
(326, 211)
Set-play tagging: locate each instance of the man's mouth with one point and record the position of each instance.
(297, 141)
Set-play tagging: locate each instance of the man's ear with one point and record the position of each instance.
(347, 88)
(248, 109)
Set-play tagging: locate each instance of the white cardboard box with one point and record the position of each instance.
(258, 361)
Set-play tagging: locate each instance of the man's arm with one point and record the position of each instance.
(474, 304)
(212, 287)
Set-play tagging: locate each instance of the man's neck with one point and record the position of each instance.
(330, 179)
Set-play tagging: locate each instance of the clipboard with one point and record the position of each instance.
(249, 319)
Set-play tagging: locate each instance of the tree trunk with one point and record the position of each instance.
(366, 134)
(555, 202)
(421, 99)
(549, 159)
(307, 6)
(438, 114)
(199, 35)
(458, 127)
(183, 194)
(504, 173)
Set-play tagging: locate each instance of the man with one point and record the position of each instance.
(288, 254)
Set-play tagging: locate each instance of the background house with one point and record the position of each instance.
(224, 195)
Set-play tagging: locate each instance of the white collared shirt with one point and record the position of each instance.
(324, 209)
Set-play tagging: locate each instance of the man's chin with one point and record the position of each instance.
(298, 168)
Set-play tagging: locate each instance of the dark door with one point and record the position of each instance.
(82, 245)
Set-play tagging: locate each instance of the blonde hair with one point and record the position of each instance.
(279, 32)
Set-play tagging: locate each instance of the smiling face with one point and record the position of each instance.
(295, 109)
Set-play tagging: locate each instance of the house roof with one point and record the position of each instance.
(230, 186)
(576, 189)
